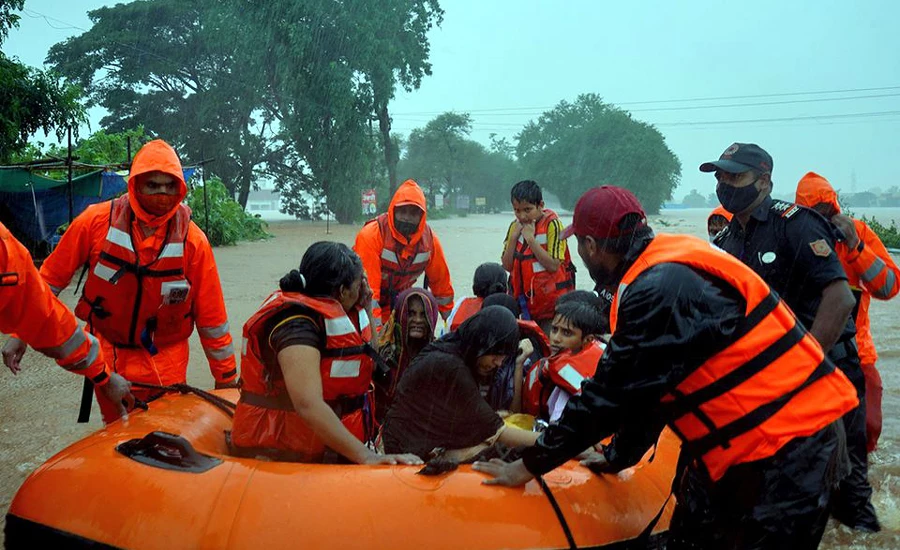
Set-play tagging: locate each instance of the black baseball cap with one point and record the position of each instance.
(740, 158)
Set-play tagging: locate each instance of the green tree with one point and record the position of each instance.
(694, 200)
(31, 100)
(394, 51)
(228, 223)
(170, 67)
(443, 160)
(579, 145)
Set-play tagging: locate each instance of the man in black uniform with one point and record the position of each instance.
(792, 249)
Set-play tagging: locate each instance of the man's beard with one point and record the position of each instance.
(602, 276)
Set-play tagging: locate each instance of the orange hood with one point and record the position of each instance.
(720, 211)
(813, 189)
(155, 156)
(409, 192)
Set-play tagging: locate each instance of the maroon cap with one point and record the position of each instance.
(599, 211)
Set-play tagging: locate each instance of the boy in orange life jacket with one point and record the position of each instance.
(575, 341)
(536, 255)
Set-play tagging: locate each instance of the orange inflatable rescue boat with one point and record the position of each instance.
(164, 479)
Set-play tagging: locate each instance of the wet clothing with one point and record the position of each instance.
(395, 348)
(533, 286)
(265, 421)
(36, 316)
(439, 401)
(777, 502)
(167, 304)
(502, 389)
(792, 248)
(675, 323)
(871, 272)
(393, 261)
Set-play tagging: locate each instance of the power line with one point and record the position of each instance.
(499, 110)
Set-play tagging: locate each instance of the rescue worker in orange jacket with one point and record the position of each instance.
(871, 272)
(536, 255)
(151, 276)
(35, 314)
(397, 247)
(307, 365)
(700, 343)
(717, 221)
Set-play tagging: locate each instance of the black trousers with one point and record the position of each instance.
(780, 502)
(852, 503)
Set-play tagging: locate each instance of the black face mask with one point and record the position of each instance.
(737, 199)
(405, 228)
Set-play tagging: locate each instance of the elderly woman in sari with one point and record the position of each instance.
(410, 328)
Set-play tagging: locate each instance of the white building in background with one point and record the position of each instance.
(267, 204)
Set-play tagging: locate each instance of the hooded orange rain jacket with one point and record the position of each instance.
(869, 267)
(871, 273)
(394, 262)
(720, 211)
(150, 279)
(37, 317)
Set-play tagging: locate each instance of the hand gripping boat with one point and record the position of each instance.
(128, 487)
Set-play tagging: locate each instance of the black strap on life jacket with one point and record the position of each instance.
(703, 445)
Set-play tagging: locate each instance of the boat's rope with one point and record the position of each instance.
(559, 514)
(225, 405)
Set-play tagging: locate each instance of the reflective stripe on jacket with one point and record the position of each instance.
(767, 385)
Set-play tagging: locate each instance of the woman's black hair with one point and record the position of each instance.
(490, 278)
(504, 300)
(325, 268)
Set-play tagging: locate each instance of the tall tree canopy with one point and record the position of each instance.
(442, 159)
(169, 66)
(580, 145)
(288, 89)
(31, 100)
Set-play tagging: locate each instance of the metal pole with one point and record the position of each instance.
(128, 160)
(71, 190)
(205, 195)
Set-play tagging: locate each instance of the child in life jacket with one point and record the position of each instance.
(576, 346)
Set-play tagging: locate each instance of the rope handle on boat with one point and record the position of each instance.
(225, 405)
(558, 511)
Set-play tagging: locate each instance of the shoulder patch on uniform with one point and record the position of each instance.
(791, 211)
(780, 206)
(820, 248)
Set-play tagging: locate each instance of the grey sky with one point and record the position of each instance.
(529, 55)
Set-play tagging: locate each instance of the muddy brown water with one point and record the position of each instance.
(38, 407)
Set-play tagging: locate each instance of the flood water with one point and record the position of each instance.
(38, 407)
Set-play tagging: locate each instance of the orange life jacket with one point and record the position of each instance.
(397, 273)
(531, 280)
(767, 385)
(131, 304)
(566, 370)
(466, 308)
(265, 416)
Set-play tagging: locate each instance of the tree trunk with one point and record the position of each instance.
(390, 155)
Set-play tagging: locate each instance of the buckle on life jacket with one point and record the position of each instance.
(147, 336)
(96, 306)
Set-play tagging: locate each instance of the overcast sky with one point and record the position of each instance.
(505, 62)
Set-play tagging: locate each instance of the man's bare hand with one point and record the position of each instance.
(13, 351)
